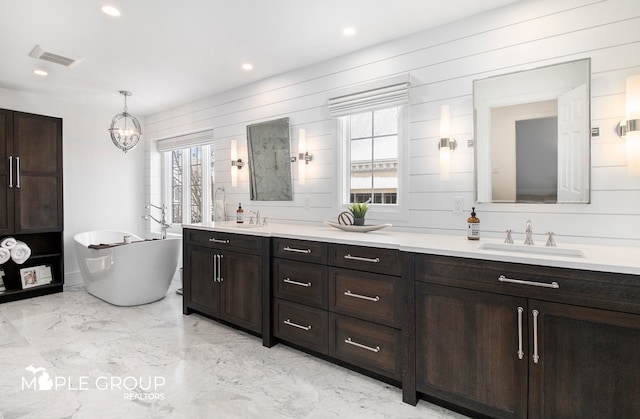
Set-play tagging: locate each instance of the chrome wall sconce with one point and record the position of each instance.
(236, 163)
(446, 144)
(303, 158)
(629, 128)
(125, 129)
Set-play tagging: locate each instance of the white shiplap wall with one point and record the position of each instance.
(443, 62)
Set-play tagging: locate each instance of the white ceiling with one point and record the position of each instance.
(170, 52)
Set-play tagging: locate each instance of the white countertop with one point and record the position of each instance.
(618, 259)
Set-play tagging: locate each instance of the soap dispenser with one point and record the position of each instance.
(240, 214)
(473, 226)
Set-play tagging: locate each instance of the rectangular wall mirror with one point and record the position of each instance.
(269, 161)
(533, 135)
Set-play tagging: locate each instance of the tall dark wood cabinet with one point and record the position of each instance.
(31, 199)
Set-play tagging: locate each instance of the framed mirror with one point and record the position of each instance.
(269, 161)
(533, 135)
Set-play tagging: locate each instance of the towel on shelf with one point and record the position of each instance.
(20, 252)
(5, 255)
(219, 210)
(8, 243)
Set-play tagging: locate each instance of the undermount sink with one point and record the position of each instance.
(536, 250)
(247, 225)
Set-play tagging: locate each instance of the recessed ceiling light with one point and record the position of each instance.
(40, 72)
(110, 10)
(349, 31)
(247, 66)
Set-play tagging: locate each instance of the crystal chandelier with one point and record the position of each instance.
(125, 129)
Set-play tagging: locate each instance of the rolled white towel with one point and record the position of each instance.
(5, 255)
(8, 243)
(20, 252)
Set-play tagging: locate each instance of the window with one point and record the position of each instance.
(190, 184)
(372, 150)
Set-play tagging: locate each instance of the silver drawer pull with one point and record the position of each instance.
(359, 345)
(214, 240)
(536, 357)
(302, 284)
(294, 250)
(288, 322)
(520, 351)
(360, 259)
(503, 278)
(362, 297)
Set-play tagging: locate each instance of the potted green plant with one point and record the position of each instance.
(358, 209)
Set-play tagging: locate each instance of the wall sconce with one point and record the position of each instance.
(236, 163)
(304, 157)
(629, 128)
(446, 144)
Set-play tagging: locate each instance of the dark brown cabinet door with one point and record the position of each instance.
(6, 193)
(202, 291)
(37, 173)
(467, 349)
(241, 280)
(588, 365)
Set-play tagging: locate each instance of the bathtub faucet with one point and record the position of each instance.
(163, 220)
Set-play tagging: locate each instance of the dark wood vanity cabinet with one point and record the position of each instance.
(223, 277)
(31, 199)
(560, 344)
(299, 286)
(340, 300)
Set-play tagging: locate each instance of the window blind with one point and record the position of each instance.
(185, 141)
(378, 94)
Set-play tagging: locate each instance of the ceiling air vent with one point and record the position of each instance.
(39, 53)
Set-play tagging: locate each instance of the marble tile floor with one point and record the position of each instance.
(151, 361)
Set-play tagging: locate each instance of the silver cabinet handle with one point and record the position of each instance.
(359, 345)
(503, 278)
(214, 240)
(294, 250)
(535, 336)
(17, 172)
(11, 171)
(288, 322)
(215, 268)
(520, 351)
(362, 297)
(220, 278)
(361, 259)
(302, 284)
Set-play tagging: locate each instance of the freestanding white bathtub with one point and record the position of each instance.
(126, 274)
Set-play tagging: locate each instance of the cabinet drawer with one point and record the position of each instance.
(371, 259)
(589, 288)
(366, 295)
(303, 250)
(218, 240)
(301, 325)
(368, 345)
(300, 282)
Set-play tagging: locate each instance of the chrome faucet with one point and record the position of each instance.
(528, 241)
(163, 220)
(257, 215)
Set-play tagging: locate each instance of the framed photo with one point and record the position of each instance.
(35, 275)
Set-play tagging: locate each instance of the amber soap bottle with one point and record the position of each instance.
(473, 226)
(239, 214)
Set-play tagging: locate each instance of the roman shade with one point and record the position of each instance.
(185, 141)
(377, 94)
